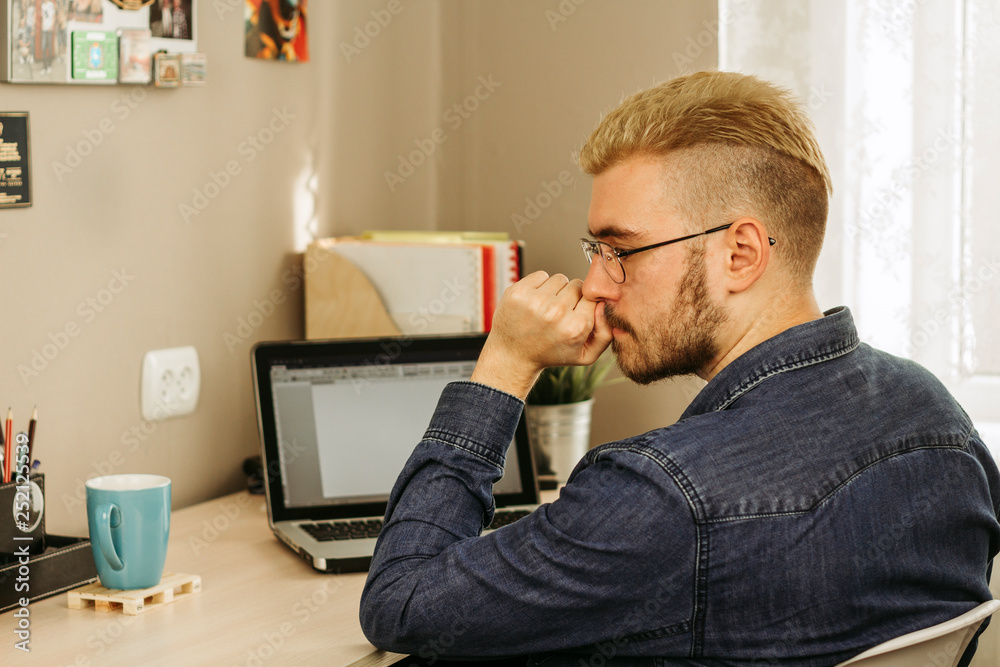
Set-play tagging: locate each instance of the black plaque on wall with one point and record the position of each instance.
(15, 179)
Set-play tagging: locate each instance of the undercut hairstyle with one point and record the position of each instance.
(735, 145)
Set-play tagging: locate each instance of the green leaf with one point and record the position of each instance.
(571, 384)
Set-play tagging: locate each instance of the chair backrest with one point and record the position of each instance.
(940, 645)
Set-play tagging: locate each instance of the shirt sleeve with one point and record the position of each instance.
(613, 559)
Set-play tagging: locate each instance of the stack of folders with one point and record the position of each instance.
(420, 282)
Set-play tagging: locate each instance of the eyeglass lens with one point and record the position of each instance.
(612, 264)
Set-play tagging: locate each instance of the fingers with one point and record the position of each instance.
(544, 320)
(600, 336)
(535, 279)
(557, 284)
(602, 329)
(539, 289)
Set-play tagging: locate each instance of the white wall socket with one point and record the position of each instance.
(171, 380)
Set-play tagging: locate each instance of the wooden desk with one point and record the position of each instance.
(260, 605)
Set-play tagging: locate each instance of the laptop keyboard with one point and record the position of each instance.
(327, 531)
(506, 517)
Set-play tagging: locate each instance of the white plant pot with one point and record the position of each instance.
(559, 436)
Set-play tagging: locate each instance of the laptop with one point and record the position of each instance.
(338, 420)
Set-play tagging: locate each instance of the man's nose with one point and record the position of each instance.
(598, 286)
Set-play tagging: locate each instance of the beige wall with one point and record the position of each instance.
(559, 72)
(323, 174)
(189, 283)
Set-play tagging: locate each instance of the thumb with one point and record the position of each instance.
(600, 336)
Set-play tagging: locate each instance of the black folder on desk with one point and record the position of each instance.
(338, 419)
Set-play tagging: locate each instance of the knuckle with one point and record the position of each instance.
(552, 314)
(541, 276)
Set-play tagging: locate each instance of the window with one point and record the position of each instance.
(904, 98)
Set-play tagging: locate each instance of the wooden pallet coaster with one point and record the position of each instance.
(171, 587)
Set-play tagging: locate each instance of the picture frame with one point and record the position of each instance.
(31, 54)
(15, 160)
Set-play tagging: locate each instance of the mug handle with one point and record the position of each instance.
(104, 536)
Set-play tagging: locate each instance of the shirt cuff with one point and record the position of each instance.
(477, 418)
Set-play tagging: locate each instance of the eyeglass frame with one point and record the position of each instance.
(589, 246)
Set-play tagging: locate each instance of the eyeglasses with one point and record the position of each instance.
(611, 257)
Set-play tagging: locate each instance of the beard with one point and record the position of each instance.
(680, 342)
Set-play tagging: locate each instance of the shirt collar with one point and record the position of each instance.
(831, 336)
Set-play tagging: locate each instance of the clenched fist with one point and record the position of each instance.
(541, 321)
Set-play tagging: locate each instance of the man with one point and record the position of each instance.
(179, 22)
(166, 18)
(817, 498)
(48, 31)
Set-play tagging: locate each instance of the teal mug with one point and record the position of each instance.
(129, 520)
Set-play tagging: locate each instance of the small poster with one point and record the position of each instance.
(15, 181)
(37, 39)
(87, 11)
(172, 19)
(95, 55)
(194, 69)
(167, 70)
(276, 30)
(135, 57)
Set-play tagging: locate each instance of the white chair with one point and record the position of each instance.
(940, 645)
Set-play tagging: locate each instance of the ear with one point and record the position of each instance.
(747, 252)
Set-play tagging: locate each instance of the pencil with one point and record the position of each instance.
(8, 447)
(3, 457)
(31, 434)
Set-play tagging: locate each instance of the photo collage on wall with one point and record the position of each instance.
(95, 41)
(276, 30)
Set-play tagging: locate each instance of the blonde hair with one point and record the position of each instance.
(740, 146)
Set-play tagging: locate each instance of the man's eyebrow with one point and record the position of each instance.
(616, 231)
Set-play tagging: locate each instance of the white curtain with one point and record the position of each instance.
(904, 95)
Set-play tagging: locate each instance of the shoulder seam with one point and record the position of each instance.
(820, 502)
(832, 354)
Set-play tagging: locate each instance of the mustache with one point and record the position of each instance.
(617, 321)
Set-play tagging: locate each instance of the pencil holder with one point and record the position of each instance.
(22, 516)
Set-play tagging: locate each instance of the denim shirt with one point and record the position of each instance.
(818, 497)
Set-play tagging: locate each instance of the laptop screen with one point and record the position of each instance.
(339, 419)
